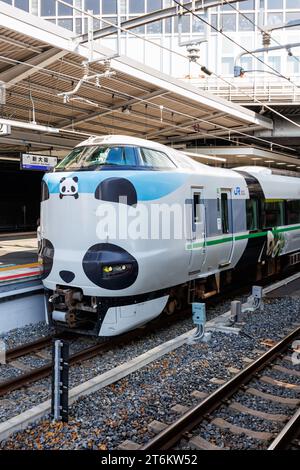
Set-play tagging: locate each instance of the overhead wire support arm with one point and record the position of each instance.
(288, 47)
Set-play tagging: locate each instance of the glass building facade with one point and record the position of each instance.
(240, 23)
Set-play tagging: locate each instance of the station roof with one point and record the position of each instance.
(246, 156)
(39, 60)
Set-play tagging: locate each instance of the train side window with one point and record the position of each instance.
(252, 214)
(273, 213)
(293, 212)
(155, 159)
(130, 156)
(197, 208)
(225, 214)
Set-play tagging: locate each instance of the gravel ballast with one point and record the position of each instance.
(124, 410)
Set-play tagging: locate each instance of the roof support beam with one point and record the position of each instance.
(189, 123)
(29, 25)
(20, 72)
(208, 134)
(20, 137)
(132, 101)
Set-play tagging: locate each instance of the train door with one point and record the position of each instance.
(226, 227)
(197, 230)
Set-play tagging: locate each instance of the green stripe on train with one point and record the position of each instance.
(191, 246)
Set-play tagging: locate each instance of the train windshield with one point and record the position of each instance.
(94, 157)
(113, 156)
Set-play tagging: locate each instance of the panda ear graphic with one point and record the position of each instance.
(75, 178)
(63, 179)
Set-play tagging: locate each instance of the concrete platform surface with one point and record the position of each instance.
(288, 290)
(18, 250)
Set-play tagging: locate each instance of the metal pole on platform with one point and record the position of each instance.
(60, 381)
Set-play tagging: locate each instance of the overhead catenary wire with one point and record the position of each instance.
(235, 86)
(233, 41)
(168, 109)
(258, 27)
(183, 56)
(172, 111)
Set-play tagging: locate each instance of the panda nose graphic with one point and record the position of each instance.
(67, 276)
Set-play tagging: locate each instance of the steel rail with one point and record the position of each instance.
(192, 418)
(88, 353)
(290, 431)
(24, 349)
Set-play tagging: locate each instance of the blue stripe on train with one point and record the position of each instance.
(149, 185)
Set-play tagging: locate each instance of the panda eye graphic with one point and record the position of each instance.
(63, 189)
(73, 189)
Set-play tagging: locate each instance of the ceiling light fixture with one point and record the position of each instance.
(207, 157)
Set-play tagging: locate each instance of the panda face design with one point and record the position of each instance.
(68, 187)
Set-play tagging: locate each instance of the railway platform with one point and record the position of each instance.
(21, 290)
(18, 258)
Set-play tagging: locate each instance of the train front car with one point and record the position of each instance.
(103, 268)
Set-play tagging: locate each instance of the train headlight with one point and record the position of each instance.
(115, 269)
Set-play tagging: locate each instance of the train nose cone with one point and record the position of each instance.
(67, 276)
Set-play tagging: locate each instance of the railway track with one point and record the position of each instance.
(38, 373)
(28, 348)
(44, 371)
(181, 430)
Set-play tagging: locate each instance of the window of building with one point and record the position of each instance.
(214, 22)
(186, 23)
(227, 65)
(275, 4)
(293, 65)
(228, 22)
(139, 30)
(275, 62)
(136, 6)
(246, 22)
(155, 28)
(198, 25)
(224, 212)
(197, 208)
(22, 4)
(93, 5)
(293, 17)
(96, 24)
(62, 10)
(225, 7)
(109, 7)
(252, 214)
(66, 23)
(274, 19)
(153, 5)
(273, 214)
(247, 5)
(293, 4)
(168, 25)
(155, 158)
(78, 26)
(293, 212)
(247, 63)
(48, 7)
(9, 2)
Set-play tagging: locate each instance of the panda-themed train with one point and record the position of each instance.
(131, 228)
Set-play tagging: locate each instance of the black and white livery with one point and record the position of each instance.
(226, 224)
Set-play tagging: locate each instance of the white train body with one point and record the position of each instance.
(112, 260)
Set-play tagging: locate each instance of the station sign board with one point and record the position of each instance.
(37, 162)
(5, 129)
